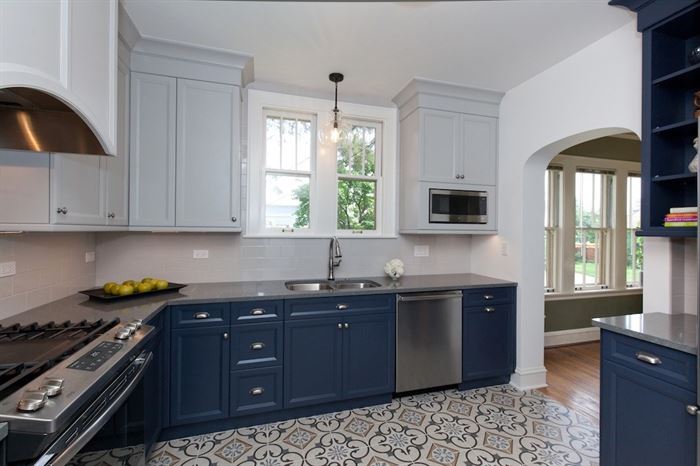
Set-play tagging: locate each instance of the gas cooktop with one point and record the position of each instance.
(27, 351)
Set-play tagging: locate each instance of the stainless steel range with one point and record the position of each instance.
(61, 385)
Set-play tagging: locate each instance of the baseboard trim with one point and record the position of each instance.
(529, 378)
(570, 337)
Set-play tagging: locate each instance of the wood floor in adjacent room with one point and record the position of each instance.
(573, 376)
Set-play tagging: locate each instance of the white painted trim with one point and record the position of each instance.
(571, 337)
(529, 378)
(589, 294)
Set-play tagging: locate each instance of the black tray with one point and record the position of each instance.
(98, 294)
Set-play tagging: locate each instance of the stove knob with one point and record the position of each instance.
(52, 386)
(123, 334)
(32, 400)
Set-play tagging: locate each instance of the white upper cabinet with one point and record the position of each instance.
(76, 194)
(208, 122)
(440, 146)
(116, 169)
(478, 149)
(68, 48)
(152, 150)
(24, 187)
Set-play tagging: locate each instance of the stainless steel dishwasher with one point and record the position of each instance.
(428, 340)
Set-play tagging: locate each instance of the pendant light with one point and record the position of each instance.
(334, 130)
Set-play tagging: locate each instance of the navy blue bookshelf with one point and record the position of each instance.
(671, 28)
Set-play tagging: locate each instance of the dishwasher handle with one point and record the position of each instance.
(430, 296)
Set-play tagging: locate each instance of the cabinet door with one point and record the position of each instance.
(116, 169)
(479, 150)
(152, 150)
(643, 420)
(368, 355)
(24, 187)
(441, 158)
(199, 375)
(312, 361)
(76, 190)
(488, 341)
(208, 179)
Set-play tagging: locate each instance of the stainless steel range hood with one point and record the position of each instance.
(35, 121)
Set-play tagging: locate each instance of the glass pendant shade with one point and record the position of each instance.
(333, 130)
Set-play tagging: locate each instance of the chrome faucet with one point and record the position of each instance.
(333, 254)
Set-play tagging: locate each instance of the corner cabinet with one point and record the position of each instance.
(185, 161)
(448, 140)
(644, 418)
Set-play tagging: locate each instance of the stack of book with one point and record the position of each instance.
(681, 217)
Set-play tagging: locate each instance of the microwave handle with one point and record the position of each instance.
(62, 457)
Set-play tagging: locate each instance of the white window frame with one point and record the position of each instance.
(378, 178)
(617, 282)
(269, 112)
(631, 231)
(323, 190)
(553, 228)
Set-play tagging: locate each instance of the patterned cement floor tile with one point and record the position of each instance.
(494, 426)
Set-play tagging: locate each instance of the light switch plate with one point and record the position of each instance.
(90, 256)
(504, 248)
(421, 250)
(8, 269)
(200, 254)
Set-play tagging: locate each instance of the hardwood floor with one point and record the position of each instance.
(573, 376)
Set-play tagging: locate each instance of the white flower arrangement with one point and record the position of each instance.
(394, 268)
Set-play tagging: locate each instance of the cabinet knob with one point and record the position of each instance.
(62, 210)
(257, 346)
(234, 219)
(490, 309)
(457, 176)
(111, 215)
(692, 410)
(346, 325)
(257, 391)
(225, 335)
(340, 325)
(461, 177)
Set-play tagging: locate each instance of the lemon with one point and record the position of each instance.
(129, 282)
(126, 290)
(144, 287)
(161, 284)
(108, 286)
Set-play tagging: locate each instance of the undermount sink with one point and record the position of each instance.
(321, 285)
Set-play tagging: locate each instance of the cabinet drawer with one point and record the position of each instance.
(256, 345)
(667, 364)
(200, 315)
(256, 311)
(338, 306)
(256, 391)
(486, 296)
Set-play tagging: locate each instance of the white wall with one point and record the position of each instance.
(50, 266)
(598, 87)
(122, 256)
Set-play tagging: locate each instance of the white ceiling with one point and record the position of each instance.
(380, 46)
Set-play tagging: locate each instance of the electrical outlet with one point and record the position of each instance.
(7, 269)
(504, 248)
(421, 250)
(90, 256)
(200, 254)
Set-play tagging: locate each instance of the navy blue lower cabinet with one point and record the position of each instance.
(312, 361)
(368, 355)
(643, 420)
(256, 391)
(488, 339)
(199, 374)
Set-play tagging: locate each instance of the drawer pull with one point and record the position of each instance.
(258, 311)
(692, 410)
(490, 309)
(257, 391)
(201, 315)
(488, 297)
(257, 346)
(342, 307)
(648, 358)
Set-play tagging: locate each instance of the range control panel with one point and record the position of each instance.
(95, 358)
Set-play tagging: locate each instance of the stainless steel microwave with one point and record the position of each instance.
(457, 206)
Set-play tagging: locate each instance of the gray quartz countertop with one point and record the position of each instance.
(77, 307)
(677, 331)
